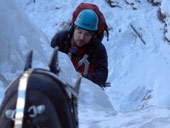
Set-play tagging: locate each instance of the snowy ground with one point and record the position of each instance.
(139, 73)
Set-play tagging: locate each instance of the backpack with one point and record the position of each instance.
(102, 25)
(39, 99)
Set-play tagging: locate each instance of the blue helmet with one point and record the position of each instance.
(87, 19)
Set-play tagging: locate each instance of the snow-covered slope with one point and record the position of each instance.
(18, 36)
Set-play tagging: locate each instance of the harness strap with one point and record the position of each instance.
(85, 61)
(107, 32)
(72, 50)
(21, 99)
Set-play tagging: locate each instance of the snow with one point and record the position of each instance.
(18, 36)
(139, 73)
(165, 10)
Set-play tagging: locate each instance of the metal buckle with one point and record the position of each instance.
(36, 110)
(10, 114)
(85, 61)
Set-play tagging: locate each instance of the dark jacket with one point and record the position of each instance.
(98, 71)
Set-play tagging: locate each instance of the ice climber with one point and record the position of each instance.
(85, 50)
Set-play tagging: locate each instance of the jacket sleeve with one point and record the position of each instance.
(55, 41)
(58, 39)
(100, 63)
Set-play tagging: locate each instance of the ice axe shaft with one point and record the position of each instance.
(138, 34)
